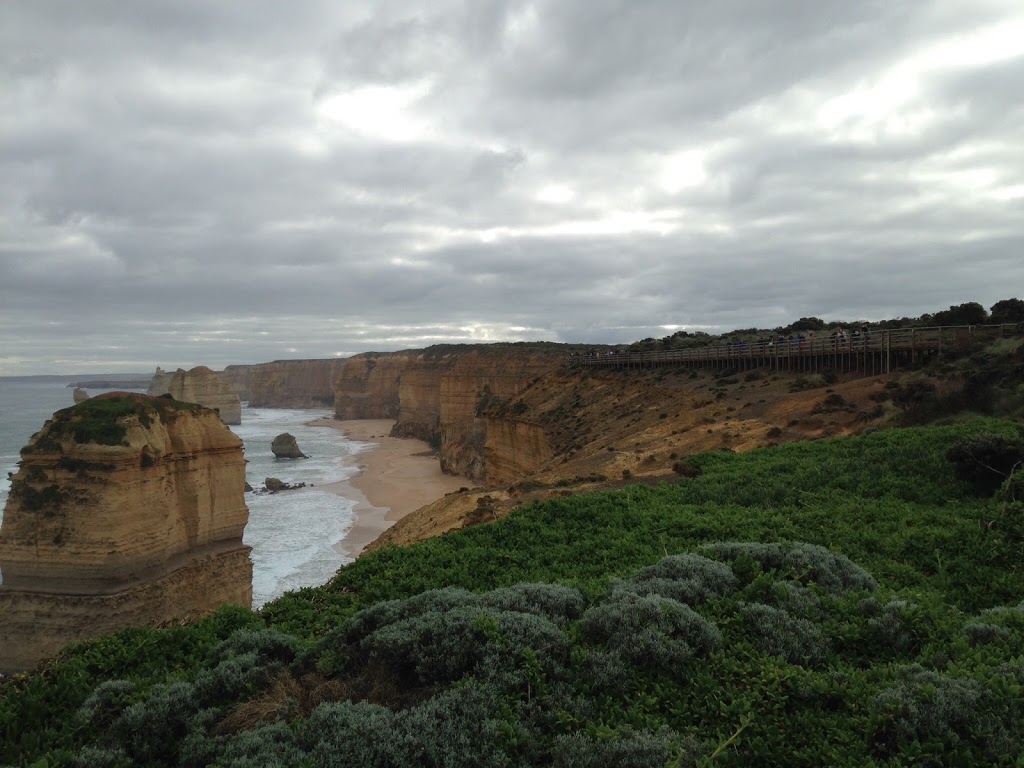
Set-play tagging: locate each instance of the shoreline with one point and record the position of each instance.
(397, 475)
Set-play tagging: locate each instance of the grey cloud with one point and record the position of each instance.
(174, 192)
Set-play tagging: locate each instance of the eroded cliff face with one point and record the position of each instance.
(367, 386)
(444, 398)
(294, 383)
(125, 510)
(160, 383)
(238, 377)
(203, 386)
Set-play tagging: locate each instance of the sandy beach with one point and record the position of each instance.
(397, 476)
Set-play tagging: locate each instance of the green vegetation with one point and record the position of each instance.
(845, 603)
(101, 419)
(1006, 311)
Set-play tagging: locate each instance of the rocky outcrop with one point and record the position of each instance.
(274, 484)
(203, 386)
(285, 446)
(160, 384)
(79, 395)
(294, 383)
(448, 397)
(125, 510)
(237, 377)
(514, 449)
(367, 386)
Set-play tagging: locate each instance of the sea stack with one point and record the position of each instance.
(203, 386)
(79, 395)
(126, 510)
(285, 446)
(160, 384)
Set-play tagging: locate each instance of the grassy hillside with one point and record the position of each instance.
(810, 604)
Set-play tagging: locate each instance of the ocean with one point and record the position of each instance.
(292, 533)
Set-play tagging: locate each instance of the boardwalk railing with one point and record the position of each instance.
(871, 352)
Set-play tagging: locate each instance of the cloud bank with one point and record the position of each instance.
(207, 183)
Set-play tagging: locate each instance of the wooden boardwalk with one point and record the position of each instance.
(870, 353)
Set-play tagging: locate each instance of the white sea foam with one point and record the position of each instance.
(293, 533)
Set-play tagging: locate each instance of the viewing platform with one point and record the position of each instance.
(869, 353)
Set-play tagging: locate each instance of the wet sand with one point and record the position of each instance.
(397, 476)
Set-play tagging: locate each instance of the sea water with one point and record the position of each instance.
(293, 533)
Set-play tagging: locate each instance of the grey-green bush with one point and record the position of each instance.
(687, 578)
(809, 563)
(779, 633)
(650, 631)
(552, 601)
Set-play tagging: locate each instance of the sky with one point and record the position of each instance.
(188, 182)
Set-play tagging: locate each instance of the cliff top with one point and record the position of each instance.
(101, 419)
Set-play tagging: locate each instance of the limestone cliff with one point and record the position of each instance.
(294, 383)
(443, 396)
(203, 386)
(125, 510)
(367, 386)
(238, 378)
(160, 383)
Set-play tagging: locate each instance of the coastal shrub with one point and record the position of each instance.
(347, 734)
(809, 563)
(238, 676)
(686, 578)
(101, 757)
(445, 646)
(556, 602)
(150, 730)
(650, 631)
(918, 399)
(935, 713)
(980, 633)
(686, 469)
(627, 749)
(790, 596)
(892, 625)
(461, 726)
(781, 634)
(466, 725)
(266, 644)
(987, 460)
(269, 745)
(106, 703)
(367, 621)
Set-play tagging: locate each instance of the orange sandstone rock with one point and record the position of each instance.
(125, 510)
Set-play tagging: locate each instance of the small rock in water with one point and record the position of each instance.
(273, 485)
(285, 446)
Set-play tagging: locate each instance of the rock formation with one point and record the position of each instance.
(274, 484)
(294, 383)
(79, 395)
(160, 383)
(125, 510)
(237, 377)
(203, 386)
(285, 446)
(449, 397)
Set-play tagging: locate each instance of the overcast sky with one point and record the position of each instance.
(194, 182)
